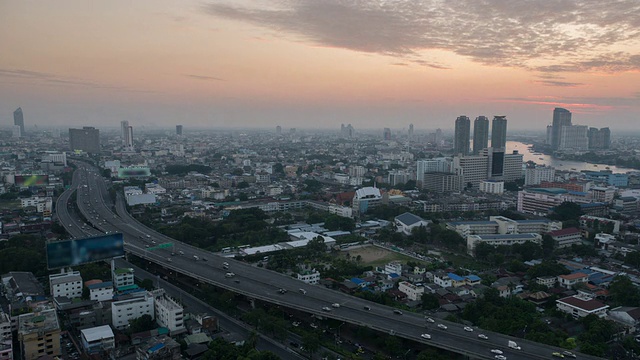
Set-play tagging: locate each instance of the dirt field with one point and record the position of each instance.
(375, 256)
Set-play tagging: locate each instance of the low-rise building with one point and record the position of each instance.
(131, 307)
(39, 334)
(492, 186)
(98, 339)
(67, 284)
(500, 240)
(309, 277)
(169, 313)
(571, 280)
(101, 291)
(566, 237)
(405, 223)
(122, 277)
(414, 292)
(582, 305)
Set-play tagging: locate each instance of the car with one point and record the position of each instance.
(430, 320)
(169, 260)
(326, 308)
(496, 351)
(569, 354)
(313, 326)
(282, 291)
(302, 291)
(397, 312)
(500, 357)
(483, 337)
(147, 245)
(229, 274)
(557, 354)
(296, 323)
(467, 328)
(236, 281)
(426, 336)
(442, 326)
(367, 307)
(335, 305)
(181, 252)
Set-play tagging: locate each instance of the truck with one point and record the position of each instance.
(514, 345)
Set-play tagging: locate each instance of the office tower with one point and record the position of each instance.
(438, 137)
(480, 134)
(436, 165)
(18, 119)
(386, 135)
(16, 131)
(574, 137)
(86, 139)
(346, 132)
(410, 131)
(593, 138)
(549, 134)
(605, 137)
(599, 138)
(123, 131)
(461, 136)
(179, 130)
(561, 117)
(499, 132)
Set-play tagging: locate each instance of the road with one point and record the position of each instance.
(262, 284)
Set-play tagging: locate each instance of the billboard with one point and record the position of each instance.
(82, 251)
(133, 172)
(32, 180)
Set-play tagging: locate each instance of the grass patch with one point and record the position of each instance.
(375, 256)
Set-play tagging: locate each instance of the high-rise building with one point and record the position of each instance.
(561, 117)
(386, 134)
(86, 139)
(18, 119)
(347, 131)
(480, 134)
(461, 136)
(179, 130)
(574, 137)
(410, 131)
(499, 132)
(599, 138)
(549, 134)
(16, 131)
(127, 134)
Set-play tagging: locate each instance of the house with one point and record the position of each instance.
(581, 305)
(566, 237)
(627, 316)
(405, 223)
(394, 267)
(570, 280)
(414, 292)
(548, 281)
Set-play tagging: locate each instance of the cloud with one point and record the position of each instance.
(585, 104)
(546, 35)
(53, 80)
(203, 77)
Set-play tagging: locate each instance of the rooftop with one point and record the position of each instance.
(46, 320)
(97, 333)
(583, 304)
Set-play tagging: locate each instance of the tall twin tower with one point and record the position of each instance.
(480, 134)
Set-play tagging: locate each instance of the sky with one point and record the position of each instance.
(319, 63)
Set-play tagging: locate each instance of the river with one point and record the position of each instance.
(542, 159)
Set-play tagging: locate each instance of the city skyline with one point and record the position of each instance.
(307, 64)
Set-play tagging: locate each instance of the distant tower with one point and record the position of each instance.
(386, 135)
(179, 130)
(18, 119)
(438, 137)
(127, 134)
(549, 134)
(410, 131)
(480, 134)
(561, 117)
(461, 136)
(499, 132)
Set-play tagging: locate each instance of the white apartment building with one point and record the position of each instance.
(492, 186)
(343, 211)
(500, 240)
(474, 169)
(357, 171)
(570, 280)
(155, 189)
(6, 338)
(122, 277)
(131, 308)
(309, 277)
(169, 313)
(535, 176)
(394, 267)
(602, 194)
(574, 137)
(587, 221)
(437, 165)
(56, 157)
(413, 292)
(42, 204)
(503, 225)
(98, 339)
(581, 305)
(66, 284)
(101, 292)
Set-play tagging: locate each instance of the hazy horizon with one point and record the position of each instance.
(308, 63)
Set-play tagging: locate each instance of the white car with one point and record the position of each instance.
(335, 305)
(496, 351)
(442, 326)
(426, 336)
(500, 357)
(430, 320)
(483, 337)
(467, 328)
(326, 308)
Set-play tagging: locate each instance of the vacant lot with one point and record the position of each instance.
(375, 256)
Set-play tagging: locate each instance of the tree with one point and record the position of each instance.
(623, 292)
(147, 284)
(143, 323)
(568, 210)
(311, 343)
(429, 301)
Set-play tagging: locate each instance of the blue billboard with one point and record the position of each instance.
(82, 251)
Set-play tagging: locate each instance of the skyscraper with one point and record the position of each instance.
(18, 119)
(179, 130)
(461, 136)
(561, 117)
(127, 134)
(499, 132)
(386, 134)
(480, 134)
(86, 139)
(410, 131)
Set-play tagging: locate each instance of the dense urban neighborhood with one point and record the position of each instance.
(531, 238)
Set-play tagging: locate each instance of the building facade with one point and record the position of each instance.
(461, 136)
(480, 134)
